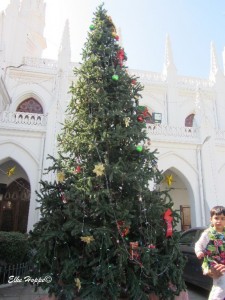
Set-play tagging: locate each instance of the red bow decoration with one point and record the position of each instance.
(125, 230)
(168, 219)
(143, 114)
(120, 56)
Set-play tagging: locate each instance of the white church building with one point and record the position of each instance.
(189, 132)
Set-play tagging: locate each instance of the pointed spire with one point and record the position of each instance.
(214, 61)
(168, 52)
(169, 66)
(64, 56)
(214, 66)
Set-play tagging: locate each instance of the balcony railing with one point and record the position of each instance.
(172, 133)
(40, 63)
(23, 120)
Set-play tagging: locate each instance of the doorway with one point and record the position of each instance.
(14, 206)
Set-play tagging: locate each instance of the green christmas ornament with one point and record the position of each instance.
(91, 27)
(139, 148)
(115, 77)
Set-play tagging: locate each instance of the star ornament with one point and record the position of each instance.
(60, 176)
(169, 179)
(99, 169)
(11, 171)
(87, 239)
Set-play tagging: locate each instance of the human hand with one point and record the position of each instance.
(217, 270)
(200, 255)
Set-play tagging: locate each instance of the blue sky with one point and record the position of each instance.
(191, 25)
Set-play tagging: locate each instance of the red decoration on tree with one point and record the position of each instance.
(151, 246)
(143, 113)
(63, 197)
(168, 219)
(133, 81)
(77, 170)
(120, 56)
(140, 119)
(123, 230)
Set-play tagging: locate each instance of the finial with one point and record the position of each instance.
(169, 65)
(64, 56)
(214, 66)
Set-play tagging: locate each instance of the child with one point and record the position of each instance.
(211, 247)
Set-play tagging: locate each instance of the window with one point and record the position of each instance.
(31, 106)
(189, 120)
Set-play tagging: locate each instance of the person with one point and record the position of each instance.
(211, 247)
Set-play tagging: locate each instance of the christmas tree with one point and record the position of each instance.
(103, 233)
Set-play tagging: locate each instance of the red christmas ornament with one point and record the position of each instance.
(117, 37)
(78, 169)
(122, 230)
(140, 119)
(133, 81)
(120, 56)
(168, 219)
(151, 246)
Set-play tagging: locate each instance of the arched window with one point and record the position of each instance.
(189, 120)
(31, 106)
(14, 207)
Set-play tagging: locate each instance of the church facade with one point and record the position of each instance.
(185, 121)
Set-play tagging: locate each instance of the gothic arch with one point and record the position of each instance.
(172, 161)
(24, 91)
(29, 164)
(15, 151)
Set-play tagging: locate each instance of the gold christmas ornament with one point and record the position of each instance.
(114, 34)
(77, 283)
(99, 169)
(87, 239)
